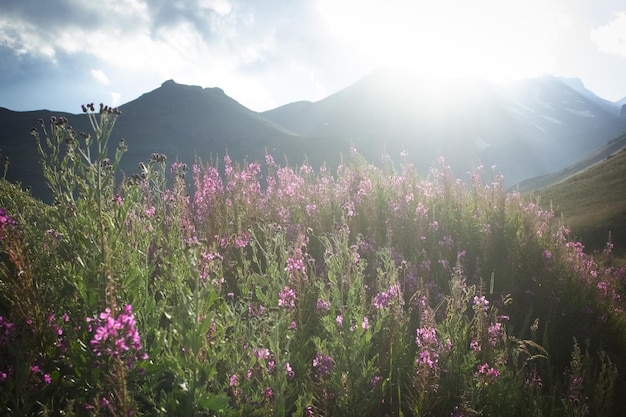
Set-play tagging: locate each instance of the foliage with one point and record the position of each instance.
(269, 290)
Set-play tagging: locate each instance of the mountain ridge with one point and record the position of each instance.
(527, 129)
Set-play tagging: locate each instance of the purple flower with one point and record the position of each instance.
(287, 298)
(365, 323)
(486, 374)
(290, 373)
(116, 336)
(475, 345)
(323, 365)
(481, 304)
(6, 221)
(495, 333)
(322, 305)
(7, 331)
(382, 299)
(261, 353)
(295, 264)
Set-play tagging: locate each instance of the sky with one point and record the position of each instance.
(58, 54)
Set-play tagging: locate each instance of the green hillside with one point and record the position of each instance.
(593, 202)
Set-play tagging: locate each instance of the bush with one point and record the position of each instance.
(275, 290)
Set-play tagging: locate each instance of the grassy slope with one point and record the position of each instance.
(593, 202)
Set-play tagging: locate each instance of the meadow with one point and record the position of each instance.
(262, 289)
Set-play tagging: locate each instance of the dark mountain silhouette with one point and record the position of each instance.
(527, 129)
(183, 122)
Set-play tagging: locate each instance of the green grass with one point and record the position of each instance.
(592, 203)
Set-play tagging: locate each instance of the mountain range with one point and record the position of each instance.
(527, 129)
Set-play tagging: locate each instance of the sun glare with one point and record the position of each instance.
(496, 40)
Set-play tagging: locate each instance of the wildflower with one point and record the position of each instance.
(256, 310)
(47, 379)
(7, 330)
(242, 240)
(486, 374)
(261, 353)
(287, 298)
(295, 264)
(481, 304)
(114, 336)
(534, 380)
(322, 305)
(6, 221)
(324, 365)
(290, 373)
(232, 380)
(268, 393)
(365, 324)
(428, 358)
(382, 299)
(104, 403)
(428, 354)
(375, 381)
(494, 333)
(446, 241)
(339, 320)
(456, 412)
(475, 345)
(426, 336)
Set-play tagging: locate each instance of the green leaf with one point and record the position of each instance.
(214, 402)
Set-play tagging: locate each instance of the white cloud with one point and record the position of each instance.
(611, 38)
(115, 99)
(100, 76)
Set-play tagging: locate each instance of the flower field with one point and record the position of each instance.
(266, 290)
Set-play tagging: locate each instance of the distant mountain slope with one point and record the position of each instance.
(530, 128)
(603, 153)
(592, 202)
(183, 122)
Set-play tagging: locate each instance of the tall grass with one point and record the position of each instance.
(277, 290)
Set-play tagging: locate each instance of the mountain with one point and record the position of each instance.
(529, 128)
(596, 157)
(181, 121)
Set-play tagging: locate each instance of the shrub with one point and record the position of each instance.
(275, 290)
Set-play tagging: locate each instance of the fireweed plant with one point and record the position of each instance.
(261, 289)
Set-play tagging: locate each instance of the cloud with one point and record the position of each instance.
(611, 38)
(100, 76)
(115, 99)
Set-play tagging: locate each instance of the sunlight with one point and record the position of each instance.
(495, 40)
